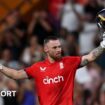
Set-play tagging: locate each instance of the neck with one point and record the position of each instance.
(51, 59)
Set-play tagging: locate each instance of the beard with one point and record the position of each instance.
(56, 57)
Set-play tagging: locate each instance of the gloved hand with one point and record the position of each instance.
(102, 44)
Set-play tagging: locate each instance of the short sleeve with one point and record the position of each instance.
(31, 71)
(75, 61)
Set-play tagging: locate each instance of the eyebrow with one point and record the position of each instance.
(56, 46)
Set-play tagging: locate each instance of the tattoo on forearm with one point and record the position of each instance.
(97, 52)
(93, 54)
(84, 62)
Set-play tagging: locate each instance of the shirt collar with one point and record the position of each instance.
(48, 62)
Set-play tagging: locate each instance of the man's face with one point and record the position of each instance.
(53, 49)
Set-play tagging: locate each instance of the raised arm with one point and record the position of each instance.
(12, 73)
(93, 55)
(33, 22)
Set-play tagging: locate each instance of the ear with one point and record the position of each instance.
(45, 49)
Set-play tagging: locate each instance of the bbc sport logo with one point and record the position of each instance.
(8, 93)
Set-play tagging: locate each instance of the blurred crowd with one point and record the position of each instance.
(21, 45)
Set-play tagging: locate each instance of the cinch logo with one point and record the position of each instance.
(49, 80)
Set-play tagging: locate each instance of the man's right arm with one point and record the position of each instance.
(12, 73)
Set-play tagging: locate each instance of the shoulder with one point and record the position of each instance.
(72, 58)
(37, 64)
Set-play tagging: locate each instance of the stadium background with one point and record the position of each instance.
(23, 26)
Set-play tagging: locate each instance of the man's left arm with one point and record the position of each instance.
(93, 55)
